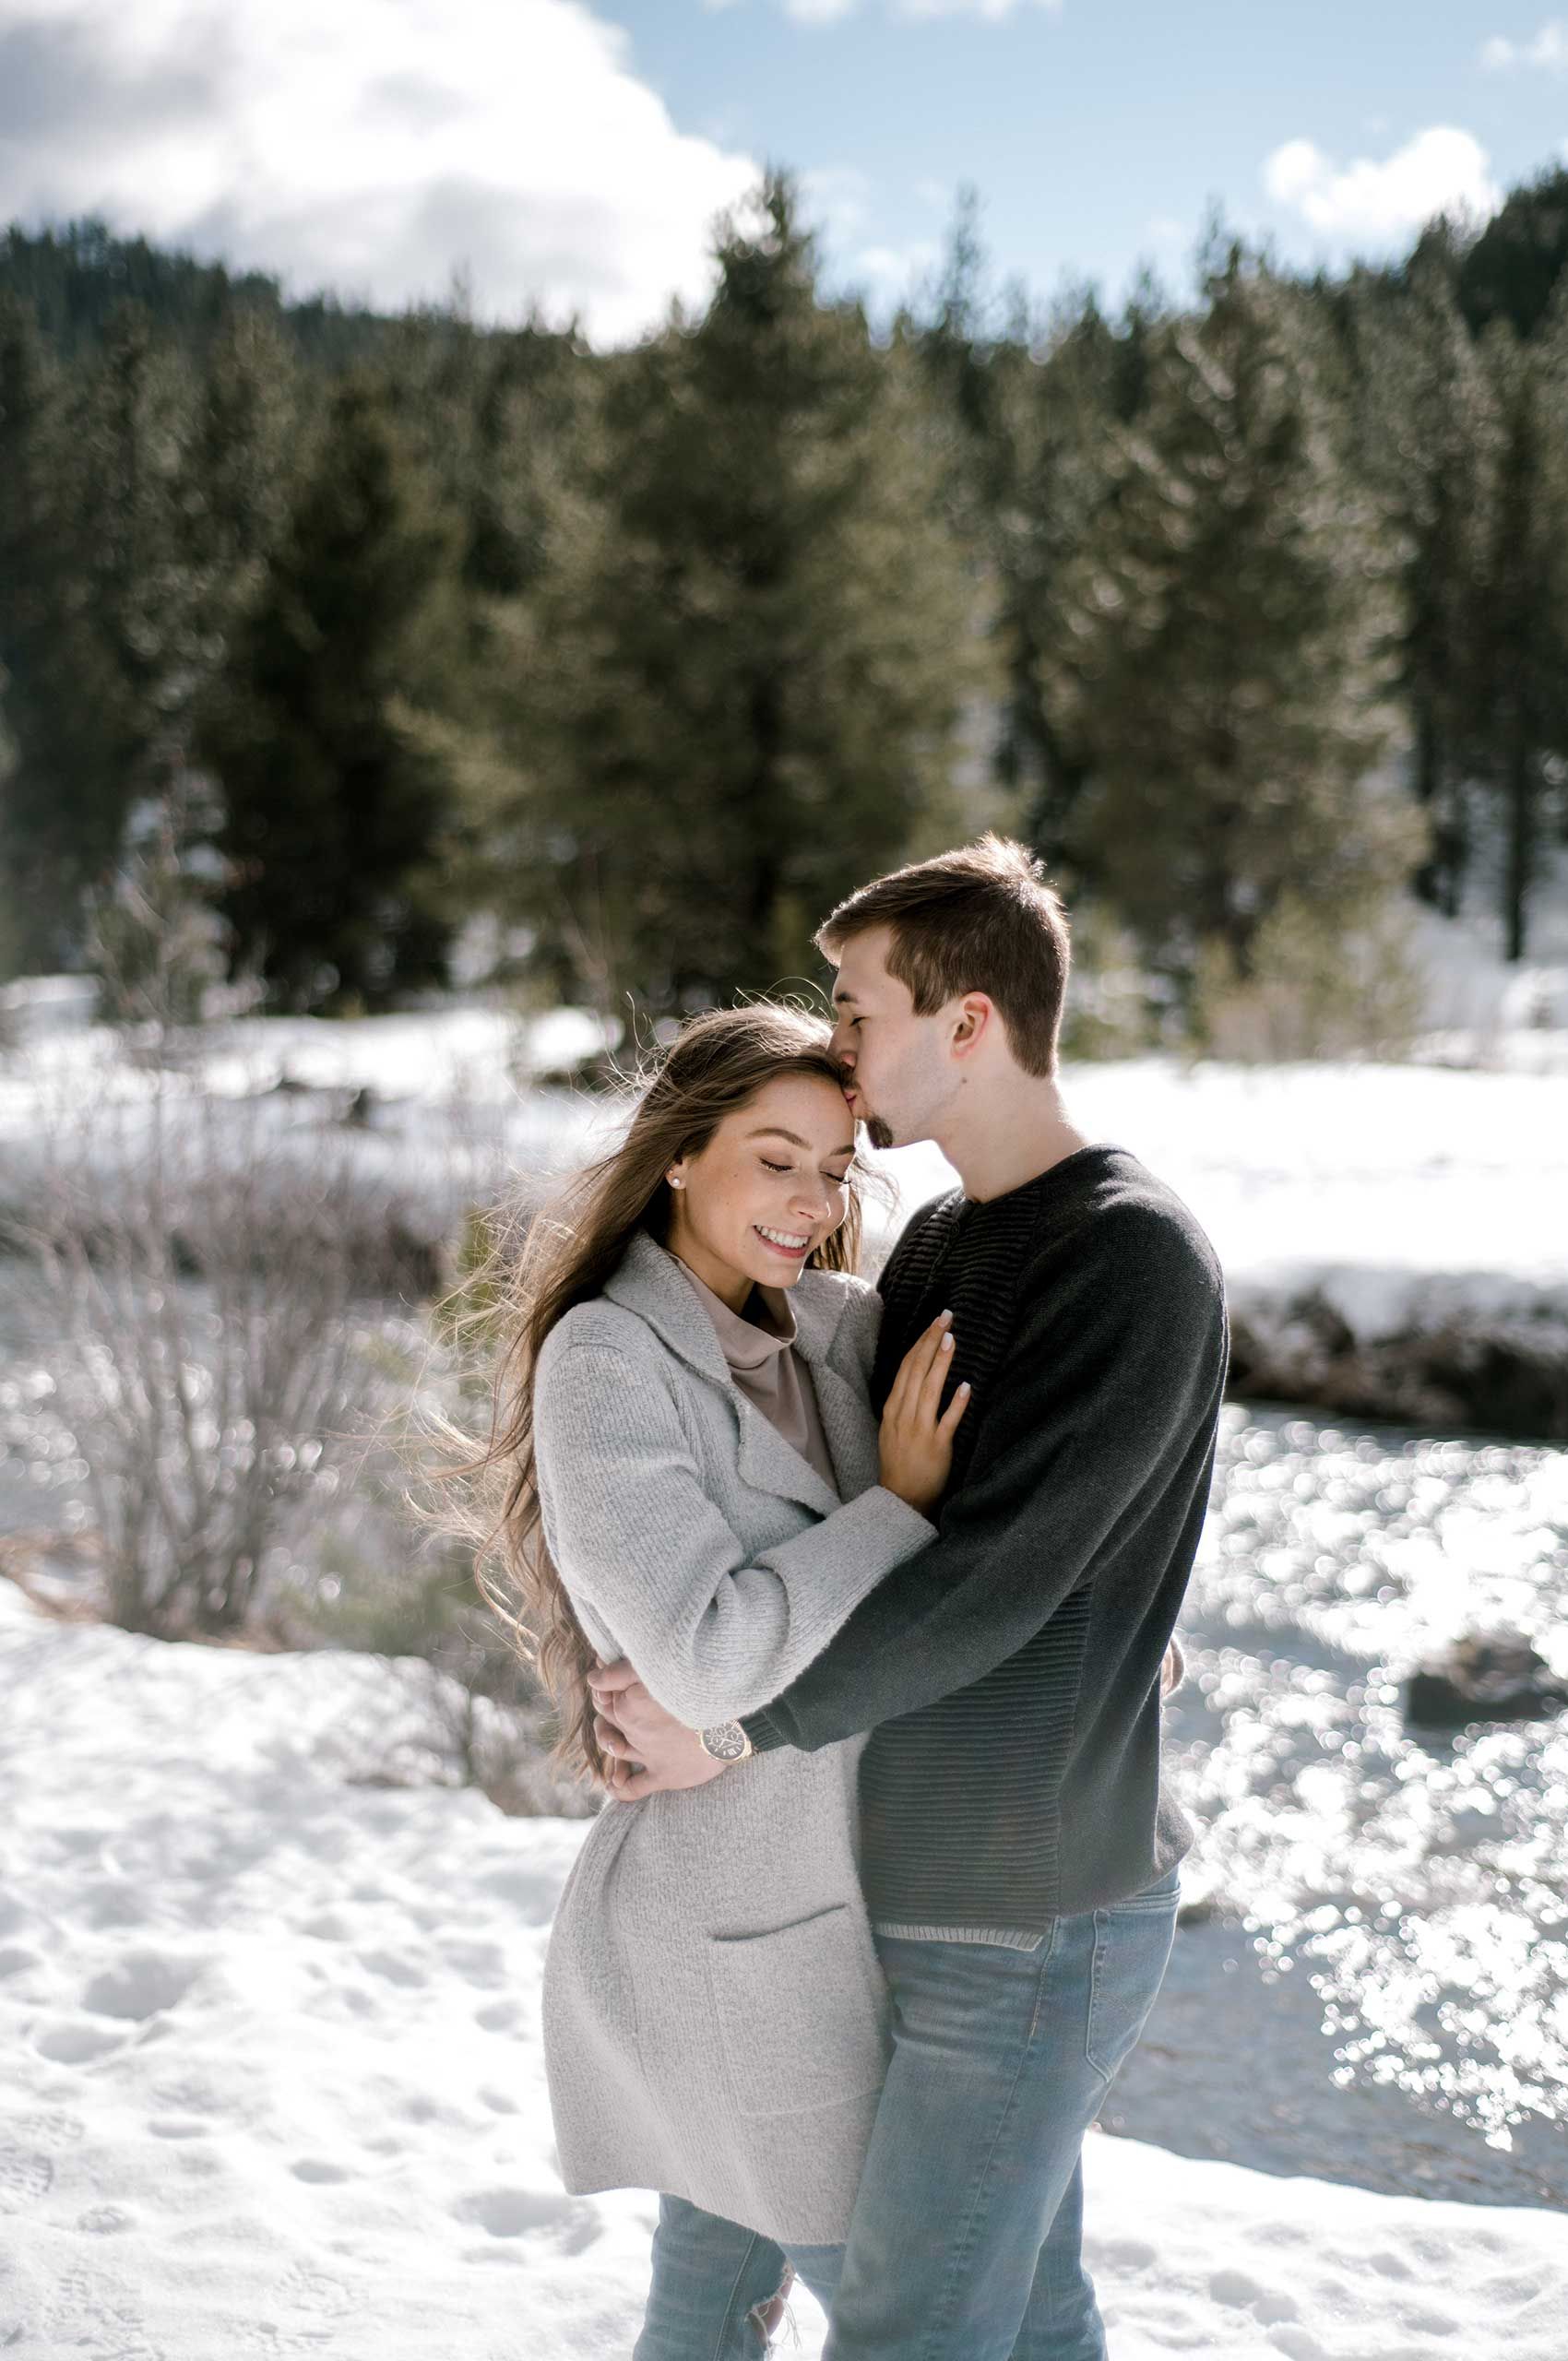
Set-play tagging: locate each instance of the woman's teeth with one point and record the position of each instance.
(788, 1242)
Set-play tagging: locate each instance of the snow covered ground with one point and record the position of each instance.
(1398, 1170)
(1392, 1235)
(274, 2083)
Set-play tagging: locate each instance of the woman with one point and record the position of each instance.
(700, 1484)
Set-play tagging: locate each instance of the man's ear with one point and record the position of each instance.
(975, 1018)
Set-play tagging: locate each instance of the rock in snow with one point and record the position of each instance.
(274, 2082)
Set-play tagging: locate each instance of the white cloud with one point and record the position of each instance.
(1547, 48)
(836, 196)
(370, 148)
(1441, 170)
(891, 271)
(993, 12)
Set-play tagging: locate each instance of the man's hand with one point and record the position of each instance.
(649, 1751)
(1173, 1671)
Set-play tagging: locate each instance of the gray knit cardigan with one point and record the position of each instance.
(715, 2017)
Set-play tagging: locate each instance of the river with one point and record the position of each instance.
(1373, 1965)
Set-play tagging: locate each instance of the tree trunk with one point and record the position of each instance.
(1516, 876)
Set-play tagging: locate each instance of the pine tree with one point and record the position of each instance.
(1523, 609)
(1231, 619)
(1050, 441)
(71, 740)
(1511, 270)
(335, 804)
(132, 428)
(249, 430)
(753, 652)
(1428, 427)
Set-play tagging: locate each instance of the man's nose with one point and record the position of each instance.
(841, 1047)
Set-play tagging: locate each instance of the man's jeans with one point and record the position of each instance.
(965, 2243)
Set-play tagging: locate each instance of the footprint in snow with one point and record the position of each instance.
(482, 1961)
(25, 2176)
(515, 2213)
(50, 2127)
(102, 2221)
(1234, 2289)
(69, 2044)
(498, 2016)
(115, 1904)
(328, 1926)
(1297, 2345)
(141, 1984)
(318, 2292)
(533, 1897)
(394, 1968)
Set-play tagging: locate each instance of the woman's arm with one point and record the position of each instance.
(715, 1630)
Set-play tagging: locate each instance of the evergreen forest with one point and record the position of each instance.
(372, 654)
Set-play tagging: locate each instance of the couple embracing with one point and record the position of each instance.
(859, 1603)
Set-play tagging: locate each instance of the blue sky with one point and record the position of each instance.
(572, 154)
(1098, 133)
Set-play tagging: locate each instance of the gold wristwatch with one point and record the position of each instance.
(726, 1741)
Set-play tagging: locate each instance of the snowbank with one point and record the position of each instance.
(1393, 1235)
(276, 2083)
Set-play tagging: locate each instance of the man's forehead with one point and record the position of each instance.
(861, 968)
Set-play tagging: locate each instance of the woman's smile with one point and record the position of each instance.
(791, 1244)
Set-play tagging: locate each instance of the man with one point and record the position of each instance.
(1018, 1858)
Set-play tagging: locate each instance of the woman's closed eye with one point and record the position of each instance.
(838, 1179)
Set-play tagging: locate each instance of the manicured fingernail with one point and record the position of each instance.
(965, 1387)
(947, 1344)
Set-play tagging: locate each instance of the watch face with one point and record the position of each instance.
(726, 1742)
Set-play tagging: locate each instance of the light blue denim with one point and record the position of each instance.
(966, 2243)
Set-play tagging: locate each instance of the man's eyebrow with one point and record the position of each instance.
(776, 1132)
(842, 999)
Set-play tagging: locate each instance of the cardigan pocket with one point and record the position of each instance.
(802, 2012)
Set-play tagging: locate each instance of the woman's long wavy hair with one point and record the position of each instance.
(717, 1064)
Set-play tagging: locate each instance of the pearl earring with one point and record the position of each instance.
(674, 1179)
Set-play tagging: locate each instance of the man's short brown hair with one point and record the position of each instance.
(980, 920)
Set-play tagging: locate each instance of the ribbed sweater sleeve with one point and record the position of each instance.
(715, 1630)
(1099, 1413)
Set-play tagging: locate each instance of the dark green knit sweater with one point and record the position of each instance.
(1009, 1673)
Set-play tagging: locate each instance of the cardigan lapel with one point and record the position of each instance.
(847, 1421)
(649, 1281)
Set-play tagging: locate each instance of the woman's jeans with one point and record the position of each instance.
(965, 2243)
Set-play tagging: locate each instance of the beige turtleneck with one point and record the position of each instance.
(767, 1367)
